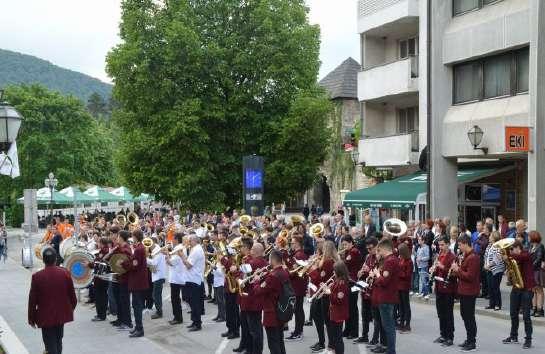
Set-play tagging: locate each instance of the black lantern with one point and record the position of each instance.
(475, 136)
(10, 122)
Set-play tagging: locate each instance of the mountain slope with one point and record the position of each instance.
(17, 68)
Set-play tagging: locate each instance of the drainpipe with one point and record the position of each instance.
(428, 108)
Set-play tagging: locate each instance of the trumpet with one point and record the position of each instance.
(177, 249)
(261, 273)
(268, 250)
(322, 289)
(303, 271)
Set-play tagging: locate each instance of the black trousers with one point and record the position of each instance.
(158, 295)
(148, 294)
(366, 317)
(122, 299)
(101, 298)
(318, 317)
(176, 301)
(52, 337)
(521, 299)
(219, 295)
(352, 324)
(299, 315)
(138, 306)
(494, 292)
(275, 339)
(378, 331)
(256, 332)
(467, 310)
(335, 335)
(195, 297)
(245, 339)
(404, 308)
(232, 313)
(444, 303)
(484, 280)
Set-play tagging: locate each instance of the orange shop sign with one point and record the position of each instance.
(517, 139)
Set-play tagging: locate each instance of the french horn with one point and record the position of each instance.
(394, 227)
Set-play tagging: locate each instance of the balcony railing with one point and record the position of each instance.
(369, 7)
(392, 150)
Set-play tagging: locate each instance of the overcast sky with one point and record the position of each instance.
(77, 34)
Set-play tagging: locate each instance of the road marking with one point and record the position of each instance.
(9, 341)
(222, 346)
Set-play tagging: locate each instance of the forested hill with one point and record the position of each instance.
(18, 68)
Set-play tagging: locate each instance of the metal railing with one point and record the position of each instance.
(412, 58)
(415, 147)
(369, 7)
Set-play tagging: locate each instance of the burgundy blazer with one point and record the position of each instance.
(338, 301)
(52, 299)
(353, 261)
(385, 288)
(270, 290)
(252, 301)
(405, 275)
(138, 273)
(469, 275)
(298, 284)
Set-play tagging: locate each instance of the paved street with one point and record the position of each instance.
(85, 337)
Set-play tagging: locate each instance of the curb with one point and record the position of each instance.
(502, 315)
(9, 341)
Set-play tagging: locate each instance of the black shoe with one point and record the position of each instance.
(527, 344)
(447, 343)
(211, 301)
(191, 326)
(136, 334)
(98, 319)
(220, 320)
(156, 316)
(470, 347)
(115, 323)
(463, 345)
(175, 322)
(361, 340)
(318, 347)
(439, 340)
(372, 343)
(510, 340)
(195, 328)
(233, 336)
(489, 308)
(379, 349)
(238, 350)
(294, 337)
(308, 323)
(226, 334)
(345, 334)
(132, 331)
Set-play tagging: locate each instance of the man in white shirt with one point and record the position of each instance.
(219, 292)
(194, 280)
(158, 268)
(176, 278)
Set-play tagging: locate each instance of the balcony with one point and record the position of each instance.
(395, 150)
(390, 79)
(378, 16)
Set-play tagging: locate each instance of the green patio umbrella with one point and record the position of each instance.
(43, 196)
(123, 194)
(144, 197)
(77, 196)
(101, 195)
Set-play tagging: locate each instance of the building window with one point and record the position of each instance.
(408, 47)
(495, 76)
(462, 6)
(407, 120)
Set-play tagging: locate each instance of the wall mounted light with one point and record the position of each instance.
(475, 136)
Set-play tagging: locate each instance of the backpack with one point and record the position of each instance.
(286, 302)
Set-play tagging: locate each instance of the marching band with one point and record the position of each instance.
(261, 271)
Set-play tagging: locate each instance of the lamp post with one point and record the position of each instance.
(475, 136)
(51, 182)
(10, 122)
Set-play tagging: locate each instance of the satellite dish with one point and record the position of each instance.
(423, 159)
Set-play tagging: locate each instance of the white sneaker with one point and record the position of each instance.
(411, 293)
(427, 297)
(418, 295)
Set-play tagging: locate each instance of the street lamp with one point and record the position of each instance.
(51, 182)
(10, 122)
(475, 136)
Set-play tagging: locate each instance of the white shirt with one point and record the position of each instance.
(201, 232)
(160, 263)
(219, 276)
(177, 271)
(196, 258)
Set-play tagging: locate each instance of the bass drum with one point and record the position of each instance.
(76, 264)
(66, 247)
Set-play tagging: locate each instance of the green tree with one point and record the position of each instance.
(97, 106)
(203, 83)
(58, 135)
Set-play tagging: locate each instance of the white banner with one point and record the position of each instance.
(9, 164)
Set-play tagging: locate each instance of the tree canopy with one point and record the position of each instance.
(201, 83)
(57, 135)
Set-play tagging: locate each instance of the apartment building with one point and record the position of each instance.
(487, 106)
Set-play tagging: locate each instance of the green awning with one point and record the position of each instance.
(401, 193)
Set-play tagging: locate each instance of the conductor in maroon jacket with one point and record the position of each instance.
(469, 281)
(51, 302)
(138, 282)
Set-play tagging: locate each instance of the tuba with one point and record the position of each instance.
(514, 274)
(395, 227)
(297, 219)
(317, 230)
(133, 219)
(245, 219)
(121, 220)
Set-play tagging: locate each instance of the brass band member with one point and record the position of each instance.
(405, 277)
(138, 282)
(316, 305)
(445, 290)
(521, 298)
(121, 289)
(231, 307)
(158, 269)
(338, 307)
(366, 306)
(385, 290)
(352, 258)
(325, 271)
(176, 279)
(271, 289)
(100, 285)
(194, 263)
(468, 274)
(299, 285)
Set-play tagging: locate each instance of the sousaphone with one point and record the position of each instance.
(395, 227)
